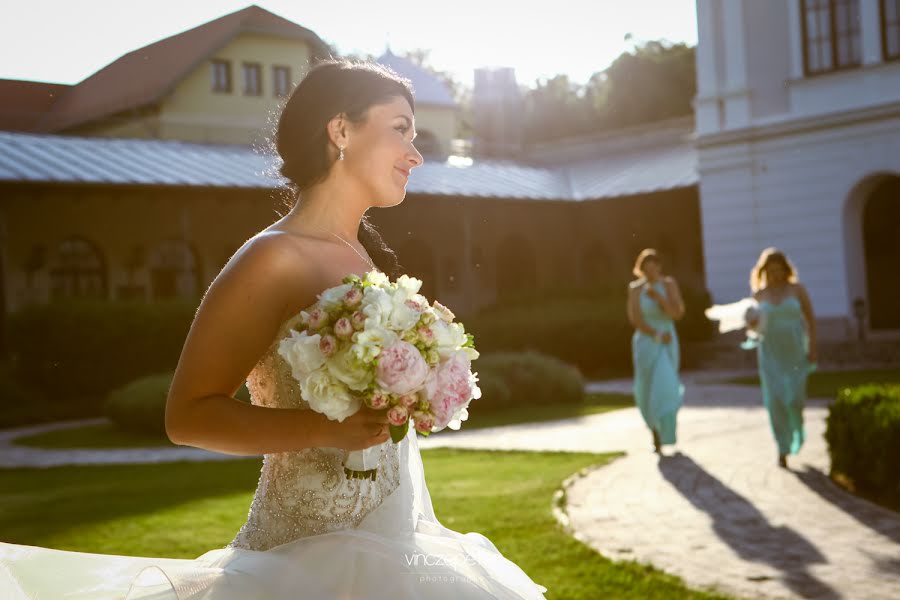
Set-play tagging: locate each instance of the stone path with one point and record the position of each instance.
(716, 510)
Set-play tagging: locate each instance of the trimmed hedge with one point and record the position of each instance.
(863, 434)
(140, 406)
(78, 351)
(514, 378)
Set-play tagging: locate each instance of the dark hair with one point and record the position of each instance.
(334, 87)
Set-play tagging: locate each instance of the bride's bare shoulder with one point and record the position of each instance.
(274, 260)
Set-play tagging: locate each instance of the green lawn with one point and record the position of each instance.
(109, 436)
(825, 384)
(184, 509)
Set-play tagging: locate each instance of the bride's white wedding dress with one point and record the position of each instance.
(311, 533)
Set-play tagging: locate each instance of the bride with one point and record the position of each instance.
(346, 141)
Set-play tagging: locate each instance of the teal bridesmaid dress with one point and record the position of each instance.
(783, 369)
(657, 389)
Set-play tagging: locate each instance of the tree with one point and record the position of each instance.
(655, 81)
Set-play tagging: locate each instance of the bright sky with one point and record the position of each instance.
(65, 41)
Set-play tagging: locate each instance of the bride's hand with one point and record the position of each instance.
(364, 428)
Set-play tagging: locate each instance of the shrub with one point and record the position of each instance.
(140, 406)
(863, 434)
(529, 378)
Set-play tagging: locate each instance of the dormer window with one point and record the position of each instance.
(831, 38)
(221, 76)
(252, 79)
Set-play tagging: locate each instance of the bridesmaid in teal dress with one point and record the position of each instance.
(786, 352)
(654, 303)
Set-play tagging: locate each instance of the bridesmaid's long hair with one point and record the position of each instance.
(333, 87)
(769, 256)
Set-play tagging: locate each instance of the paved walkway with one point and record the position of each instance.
(12, 456)
(716, 510)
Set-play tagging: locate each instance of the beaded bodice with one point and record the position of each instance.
(305, 493)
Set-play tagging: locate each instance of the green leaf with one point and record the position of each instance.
(398, 432)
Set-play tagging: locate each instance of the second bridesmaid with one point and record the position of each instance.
(654, 304)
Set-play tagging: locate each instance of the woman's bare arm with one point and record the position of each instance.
(235, 324)
(810, 317)
(672, 304)
(633, 309)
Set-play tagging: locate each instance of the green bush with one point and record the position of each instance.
(76, 352)
(863, 434)
(21, 404)
(140, 406)
(529, 378)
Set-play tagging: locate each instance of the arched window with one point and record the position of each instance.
(174, 271)
(78, 270)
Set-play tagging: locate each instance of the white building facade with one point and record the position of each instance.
(798, 140)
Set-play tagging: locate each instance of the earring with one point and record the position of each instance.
(341, 155)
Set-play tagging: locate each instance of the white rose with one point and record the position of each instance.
(328, 396)
(301, 351)
(333, 297)
(402, 316)
(350, 370)
(376, 305)
(409, 285)
(448, 337)
(369, 342)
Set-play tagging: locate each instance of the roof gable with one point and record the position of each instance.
(147, 74)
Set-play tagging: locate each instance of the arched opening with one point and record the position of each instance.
(78, 270)
(516, 266)
(417, 260)
(174, 271)
(881, 252)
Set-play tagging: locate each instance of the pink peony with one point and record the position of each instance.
(424, 422)
(451, 388)
(358, 320)
(328, 345)
(377, 400)
(343, 328)
(317, 319)
(397, 415)
(401, 368)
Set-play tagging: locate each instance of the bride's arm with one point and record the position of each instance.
(235, 324)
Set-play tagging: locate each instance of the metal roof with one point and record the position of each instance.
(37, 158)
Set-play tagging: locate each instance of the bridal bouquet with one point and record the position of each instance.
(743, 314)
(376, 342)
